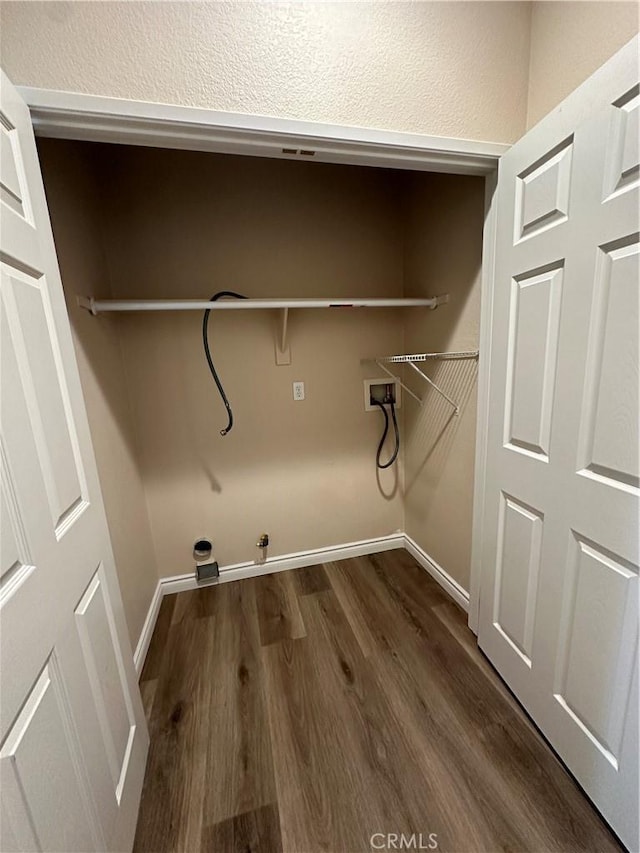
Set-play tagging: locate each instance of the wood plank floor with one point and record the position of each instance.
(308, 710)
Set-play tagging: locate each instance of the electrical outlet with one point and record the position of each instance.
(298, 390)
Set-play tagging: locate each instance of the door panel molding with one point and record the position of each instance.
(60, 711)
(558, 612)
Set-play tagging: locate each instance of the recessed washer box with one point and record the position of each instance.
(386, 380)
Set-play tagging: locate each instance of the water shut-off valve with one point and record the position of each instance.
(262, 545)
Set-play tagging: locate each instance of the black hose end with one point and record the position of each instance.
(207, 352)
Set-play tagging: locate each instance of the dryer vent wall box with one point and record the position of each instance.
(378, 389)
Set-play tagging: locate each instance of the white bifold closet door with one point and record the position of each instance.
(559, 591)
(73, 738)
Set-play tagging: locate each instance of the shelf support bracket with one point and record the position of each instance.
(283, 350)
(87, 302)
(397, 379)
(435, 387)
(439, 300)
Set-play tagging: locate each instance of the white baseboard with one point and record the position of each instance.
(238, 571)
(460, 595)
(140, 654)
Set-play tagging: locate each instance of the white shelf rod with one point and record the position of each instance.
(99, 306)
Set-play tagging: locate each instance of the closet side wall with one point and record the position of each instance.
(187, 224)
(443, 254)
(75, 205)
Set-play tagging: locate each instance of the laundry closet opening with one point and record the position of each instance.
(149, 223)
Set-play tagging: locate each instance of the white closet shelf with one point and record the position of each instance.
(427, 356)
(100, 306)
(417, 357)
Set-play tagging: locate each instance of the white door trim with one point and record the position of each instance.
(484, 374)
(95, 118)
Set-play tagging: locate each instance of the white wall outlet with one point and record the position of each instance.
(298, 390)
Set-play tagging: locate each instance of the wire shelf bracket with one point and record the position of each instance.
(411, 360)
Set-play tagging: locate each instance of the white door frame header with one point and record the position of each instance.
(94, 118)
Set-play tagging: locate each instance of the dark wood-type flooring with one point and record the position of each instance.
(308, 710)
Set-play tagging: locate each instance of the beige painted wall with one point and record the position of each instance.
(446, 68)
(73, 199)
(302, 471)
(443, 254)
(477, 70)
(569, 41)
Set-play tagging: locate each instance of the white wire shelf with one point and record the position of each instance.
(427, 356)
(100, 306)
(412, 361)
